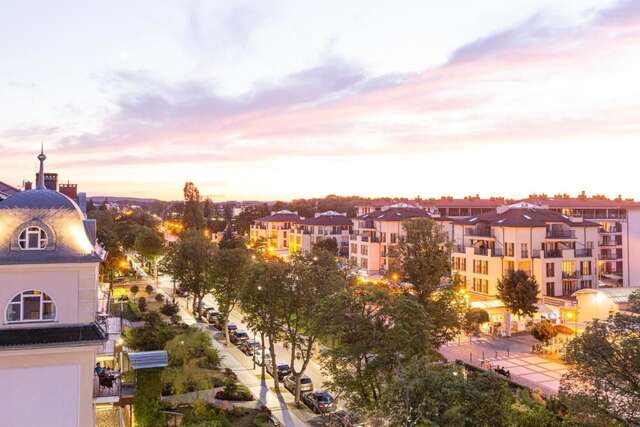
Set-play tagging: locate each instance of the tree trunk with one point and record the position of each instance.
(262, 373)
(274, 365)
(225, 328)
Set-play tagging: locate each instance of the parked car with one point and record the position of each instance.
(239, 336)
(344, 418)
(306, 385)
(282, 368)
(181, 292)
(232, 328)
(258, 357)
(248, 347)
(212, 316)
(320, 402)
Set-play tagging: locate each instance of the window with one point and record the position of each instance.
(509, 249)
(509, 266)
(551, 289)
(394, 238)
(364, 263)
(585, 268)
(364, 250)
(524, 250)
(551, 269)
(33, 238)
(354, 248)
(586, 284)
(31, 306)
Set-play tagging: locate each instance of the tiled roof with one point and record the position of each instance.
(396, 214)
(281, 216)
(524, 217)
(583, 202)
(327, 220)
(39, 199)
(51, 335)
(7, 189)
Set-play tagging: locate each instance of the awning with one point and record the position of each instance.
(149, 359)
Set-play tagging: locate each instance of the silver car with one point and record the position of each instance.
(306, 385)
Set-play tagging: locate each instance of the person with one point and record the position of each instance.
(99, 369)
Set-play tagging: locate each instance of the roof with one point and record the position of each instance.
(6, 189)
(583, 202)
(281, 216)
(524, 217)
(39, 199)
(448, 202)
(616, 295)
(327, 218)
(396, 214)
(149, 359)
(52, 335)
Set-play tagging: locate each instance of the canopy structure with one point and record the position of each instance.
(149, 359)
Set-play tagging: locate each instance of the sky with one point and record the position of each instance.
(285, 99)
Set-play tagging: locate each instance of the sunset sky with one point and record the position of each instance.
(285, 99)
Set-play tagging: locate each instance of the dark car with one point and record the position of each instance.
(249, 347)
(232, 328)
(239, 336)
(320, 402)
(282, 368)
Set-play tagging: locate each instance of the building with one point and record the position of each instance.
(376, 234)
(592, 304)
(6, 190)
(619, 234)
(50, 180)
(326, 225)
(69, 190)
(559, 251)
(49, 335)
(274, 231)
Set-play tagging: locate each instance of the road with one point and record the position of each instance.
(243, 364)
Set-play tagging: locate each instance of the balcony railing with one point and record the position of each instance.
(570, 274)
(106, 386)
(610, 230)
(561, 234)
(610, 257)
(553, 253)
(459, 249)
(610, 243)
(584, 252)
(476, 232)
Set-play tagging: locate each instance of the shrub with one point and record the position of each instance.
(134, 290)
(149, 289)
(142, 304)
(146, 401)
(205, 415)
(152, 336)
(562, 329)
(132, 312)
(159, 298)
(473, 319)
(235, 391)
(193, 348)
(169, 309)
(544, 331)
(175, 319)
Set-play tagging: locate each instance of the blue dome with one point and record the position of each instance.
(39, 199)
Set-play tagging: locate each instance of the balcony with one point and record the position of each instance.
(584, 253)
(570, 274)
(610, 243)
(610, 257)
(459, 249)
(561, 234)
(108, 389)
(364, 239)
(612, 230)
(476, 232)
(553, 253)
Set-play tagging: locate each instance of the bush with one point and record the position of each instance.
(159, 298)
(146, 401)
(169, 309)
(235, 391)
(205, 415)
(134, 290)
(149, 289)
(562, 329)
(544, 331)
(473, 319)
(142, 304)
(132, 312)
(175, 319)
(192, 348)
(152, 336)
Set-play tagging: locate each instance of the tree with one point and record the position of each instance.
(152, 336)
(127, 232)
(260, 299)
(147, 407)
(188, 261)
(519, 293)
(192, 216)
(634, 301)
(329, 245)
(605, 372)
(150, 245)
(228, 270)
(192, 347)
(544, 331)
(315, 277)
(207, 210)
(134, 290)
(244, 220)
(475, 317)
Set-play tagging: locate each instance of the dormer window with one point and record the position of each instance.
(31, 306)
(33, 238)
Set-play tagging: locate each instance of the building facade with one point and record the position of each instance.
(326, 225)
(49, 337)
(274, 231)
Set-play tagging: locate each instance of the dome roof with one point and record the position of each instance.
(39, 199)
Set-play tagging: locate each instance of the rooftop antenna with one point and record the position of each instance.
(41, 158)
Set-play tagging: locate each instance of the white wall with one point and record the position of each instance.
(633, 263)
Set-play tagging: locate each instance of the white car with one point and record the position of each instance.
(258, 356)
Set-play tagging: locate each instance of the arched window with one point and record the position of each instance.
(33, 238)
(31, 306)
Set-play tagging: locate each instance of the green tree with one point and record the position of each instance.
(519, 293)
(330, 245)
(544, 331)
(315, 278)
(605, 375)
(260, 302)
(147, 407)
(475, 317)
(150, 245)
(207, 209)
(634, 301)
(152, 336)
(244, 220)
(192, 347)
(126, 232)
(228, 271)
(134, 290)
(192, 216)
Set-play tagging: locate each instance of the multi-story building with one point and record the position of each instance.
(274, 230)
(559, 251)
(49, 336)
(326, 225)
(619, 233)
(375, 237)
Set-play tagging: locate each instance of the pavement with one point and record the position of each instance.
(513, 354)
(281, 404)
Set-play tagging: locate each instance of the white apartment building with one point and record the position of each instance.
(274, 230)
(326, 225)
(559, 251)
(376, 235)
(49, 337)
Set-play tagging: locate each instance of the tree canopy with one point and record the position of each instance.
(519, 293)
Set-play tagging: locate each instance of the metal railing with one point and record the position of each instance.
(584, 252)
(570, 274)
(561, 234)
(553, 253)
(478, 232)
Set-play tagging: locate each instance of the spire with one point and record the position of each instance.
(42, 158)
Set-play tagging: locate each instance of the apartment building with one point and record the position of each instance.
(326, 225)
(619, 233)
(376, 234)
(49, 335)
(274, 230)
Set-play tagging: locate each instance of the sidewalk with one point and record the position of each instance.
(277, 403)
